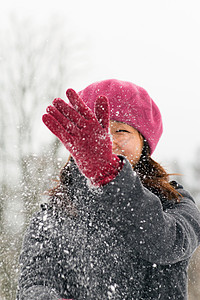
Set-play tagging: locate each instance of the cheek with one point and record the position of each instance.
(134, 148)
(131, 147)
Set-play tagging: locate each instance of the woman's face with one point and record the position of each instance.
(127, 141)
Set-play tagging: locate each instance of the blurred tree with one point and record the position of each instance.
(194, 277)
(35, 63)
(190, 179)
(196, 175)
(194, 267)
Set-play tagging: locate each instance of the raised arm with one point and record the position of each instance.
(159, 236)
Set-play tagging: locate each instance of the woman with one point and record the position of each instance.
(115, 227)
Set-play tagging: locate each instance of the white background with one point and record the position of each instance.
(153, 43)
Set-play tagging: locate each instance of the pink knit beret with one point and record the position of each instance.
(129, 104)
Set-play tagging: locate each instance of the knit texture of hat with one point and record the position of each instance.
(129, 104)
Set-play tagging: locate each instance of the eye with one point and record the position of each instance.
(122, 130)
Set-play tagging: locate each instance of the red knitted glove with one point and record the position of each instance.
(86, 135)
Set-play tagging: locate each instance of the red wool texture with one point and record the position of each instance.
(85, 134)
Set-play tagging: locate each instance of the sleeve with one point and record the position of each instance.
(39, 277)
(163, 237)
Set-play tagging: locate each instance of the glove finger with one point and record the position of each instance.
(70, 113)
(102, 111)
(79, 105)
(56, 128)
(66, 123)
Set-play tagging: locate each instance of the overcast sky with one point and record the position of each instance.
(153, 43)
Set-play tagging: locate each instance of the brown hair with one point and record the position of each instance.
(154, 177)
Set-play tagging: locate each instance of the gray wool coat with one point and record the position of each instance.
(124, 242)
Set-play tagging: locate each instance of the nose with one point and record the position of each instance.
(114, 144)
